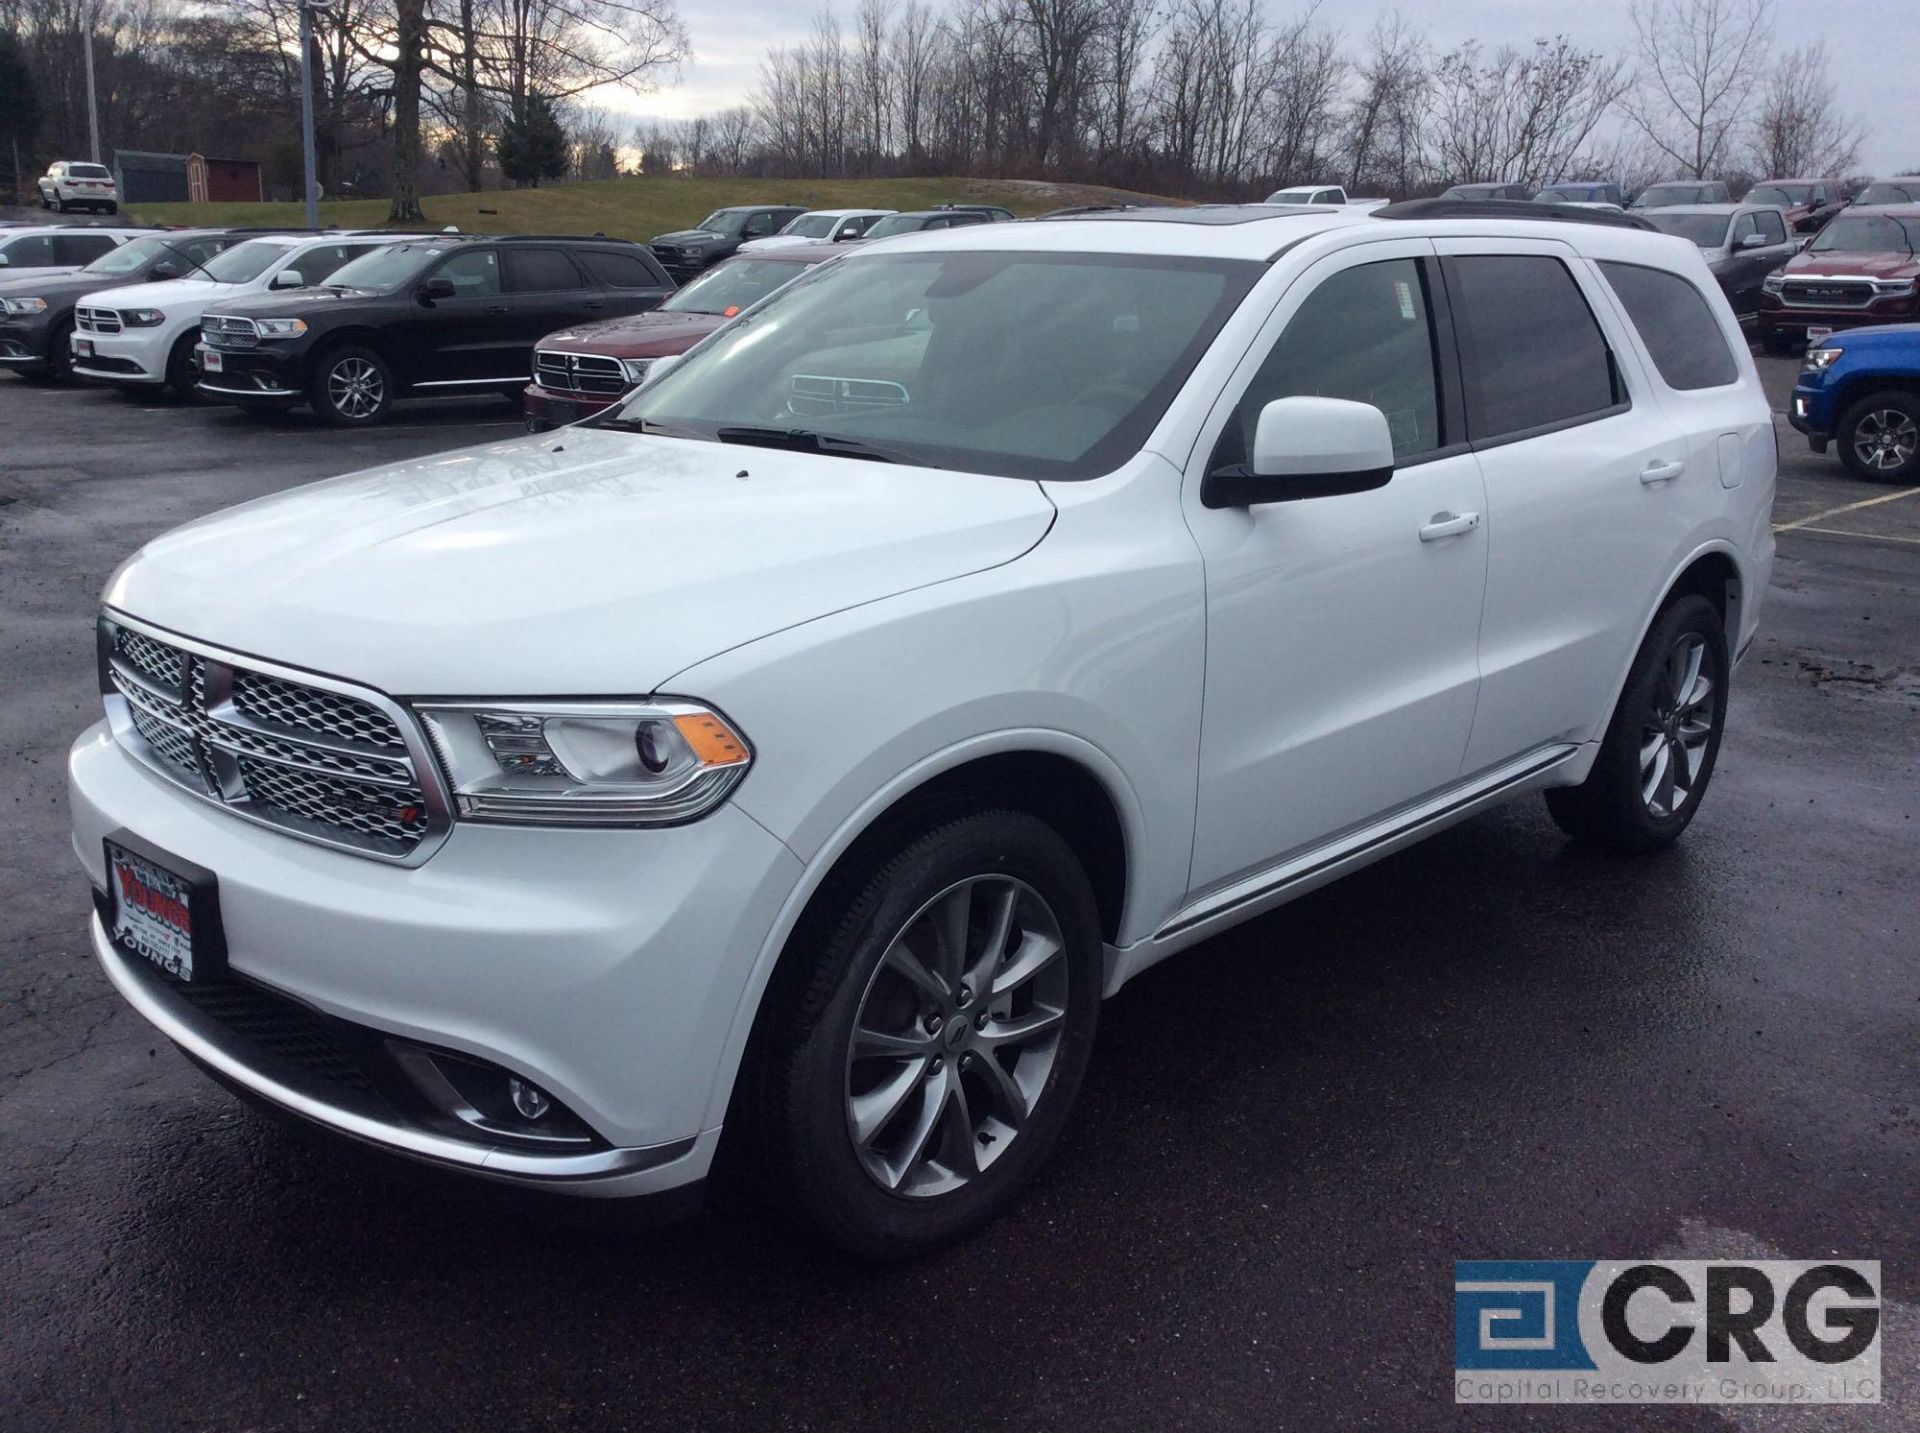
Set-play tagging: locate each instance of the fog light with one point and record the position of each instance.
(1799, 407)
(531, 1102)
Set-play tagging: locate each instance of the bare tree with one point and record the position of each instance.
(1519, 114)
(1699, 63)
(1797, 127)
(1385, 126)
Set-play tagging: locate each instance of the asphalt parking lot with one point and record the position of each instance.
(1490, 1046)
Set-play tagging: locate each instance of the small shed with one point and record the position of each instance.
(146, 178)
(223, 181)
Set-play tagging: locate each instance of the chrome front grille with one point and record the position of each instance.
(1828, 293)
(317, 759)
(97, 320)
(579, 372)
(222, 331)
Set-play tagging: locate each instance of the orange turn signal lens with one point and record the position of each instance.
(730, 310)
(712, 740)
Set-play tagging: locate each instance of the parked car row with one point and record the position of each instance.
(685, 253)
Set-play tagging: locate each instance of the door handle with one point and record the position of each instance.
(498, 308)
(1662, 471)
(1446, 524)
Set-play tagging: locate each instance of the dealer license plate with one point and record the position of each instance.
(152, 910)
(1818, 335)
(210, 360)
(83, 347)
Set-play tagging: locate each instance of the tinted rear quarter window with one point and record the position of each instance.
(623, 271)
(80, 248)
(1676, 325)
(1532, 354)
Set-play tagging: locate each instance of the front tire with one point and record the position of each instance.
(351, 387)
(1660, 748)
(917, 1077)
(1879, 437)
(182, 378)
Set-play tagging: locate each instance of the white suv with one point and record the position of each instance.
(75, 184)
(799, 755)
(143, 337)
(819, 226)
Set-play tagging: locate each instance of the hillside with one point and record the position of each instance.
(641, 208)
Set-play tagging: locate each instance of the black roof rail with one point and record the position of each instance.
(1512, 209)
(571, 238)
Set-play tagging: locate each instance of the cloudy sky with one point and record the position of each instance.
(1874, 47)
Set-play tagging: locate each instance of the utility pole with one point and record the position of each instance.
(307, 7)
(93, 105)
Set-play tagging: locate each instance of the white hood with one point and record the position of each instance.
(585, 562)
(172, 294)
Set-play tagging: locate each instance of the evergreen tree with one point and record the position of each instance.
(532, 145)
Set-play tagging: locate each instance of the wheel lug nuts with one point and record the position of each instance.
(980, 1022)
(966, 996)
(932, 1022)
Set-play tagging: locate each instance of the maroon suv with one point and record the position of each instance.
(1858, 271)
(579, 371)
(1809, 203)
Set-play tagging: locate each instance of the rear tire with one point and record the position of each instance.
(1879, 437)
(351, 387)
(1660, 748)
(955, 1095)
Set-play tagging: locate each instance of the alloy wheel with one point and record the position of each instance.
(355, 388)
(1885, 440)
(1677, 729)
(957, 1034)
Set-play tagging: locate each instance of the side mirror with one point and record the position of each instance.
(1752, 241)
(437, 287)
(5, 262)
(850, 231)
(165, 269)
(288, 279)
(1308, 448)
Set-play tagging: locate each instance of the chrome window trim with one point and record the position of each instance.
(222, 780)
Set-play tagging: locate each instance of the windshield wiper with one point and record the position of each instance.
(647, 425)
(805, 440)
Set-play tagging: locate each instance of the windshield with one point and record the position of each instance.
(1867, 234)
(897, 224)
(1023, 365)
(1657, 194)
(1883, 192)
(732, 286)
(813, 226)
(386, 268)
(1707, 231)
(724, 221)
(128, 257)
(244, 262)
(1783, 196)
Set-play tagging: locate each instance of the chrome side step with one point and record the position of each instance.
(1317, 865)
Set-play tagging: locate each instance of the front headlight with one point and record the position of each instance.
(653, 763)
(692, 251)
(636, 368)
(24, 305)
(1821, 359)
(1774, 282)
(142, 317)
(1892, 288)
(280, 327)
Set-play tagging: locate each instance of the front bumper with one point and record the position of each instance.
(607, 967)
(249, 373)
(1793, 320)
(134, 355)
(1810, 409)
(23, 344)
(545, 406)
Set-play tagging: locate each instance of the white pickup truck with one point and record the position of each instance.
(1324, 194)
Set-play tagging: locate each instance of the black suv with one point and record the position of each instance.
(36, 317)
(421, 318)
(687, 252)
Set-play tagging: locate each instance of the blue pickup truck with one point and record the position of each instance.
(1860, 389)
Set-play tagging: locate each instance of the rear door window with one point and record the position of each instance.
(541, 271)
(29, 251)
(80, 248)
(1532, 355)
(316, 264)
(1676, 324)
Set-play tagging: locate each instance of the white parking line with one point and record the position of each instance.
(1812, 518)
(1862, 536)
